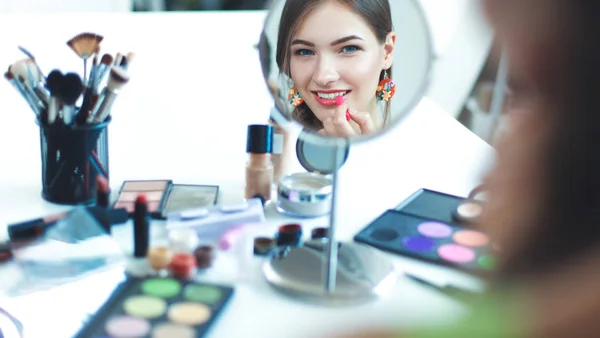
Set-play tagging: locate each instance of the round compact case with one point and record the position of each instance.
(304, 195)
(308, 194)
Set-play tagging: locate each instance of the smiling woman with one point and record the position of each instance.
(338, 55)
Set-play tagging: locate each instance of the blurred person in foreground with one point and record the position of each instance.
(543, 205)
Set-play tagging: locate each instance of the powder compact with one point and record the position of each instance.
(431, 240)
(159, 308)
(304, 195)
(164, 197)
(308, 195)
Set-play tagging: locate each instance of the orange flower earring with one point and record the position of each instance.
(386, 88)
(294, 97)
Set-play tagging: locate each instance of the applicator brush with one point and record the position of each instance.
(54, 83)
(71, 89)
(118, 77)
(85, 45)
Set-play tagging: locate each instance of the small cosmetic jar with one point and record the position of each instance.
(183, 266)
(159, 258)
(289, 234)
(5, 253)
(319, 233)
(304, 195)
(205, 254)
(263, 245)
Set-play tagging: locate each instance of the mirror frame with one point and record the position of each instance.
(312, 137)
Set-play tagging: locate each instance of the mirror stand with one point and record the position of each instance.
(329, 271)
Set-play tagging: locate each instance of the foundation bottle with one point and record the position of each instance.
(259, 168)
(280, 155)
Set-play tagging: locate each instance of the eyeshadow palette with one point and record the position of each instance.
(432, 205)
(159, 308)
(430, 240)
(164, 197)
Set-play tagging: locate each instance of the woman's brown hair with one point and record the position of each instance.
(561, 60)
(376, 13)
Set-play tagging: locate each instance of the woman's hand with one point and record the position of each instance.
(339, 125)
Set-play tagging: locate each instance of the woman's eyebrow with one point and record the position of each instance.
(336, 42)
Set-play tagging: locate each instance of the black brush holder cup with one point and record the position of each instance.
(72, 158)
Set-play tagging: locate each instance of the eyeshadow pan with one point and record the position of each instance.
(471, 238)
(384, 234)
(487, 262)
(145, 185)
(202, 293)
(130, 196)
(434, 230)
(456, 253)
(167, 330)
(145, 307)
(189, 313)
(418, 243)
(470, 210)
(125, 326)
(161, 287)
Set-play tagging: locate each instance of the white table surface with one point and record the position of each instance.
(196, 85)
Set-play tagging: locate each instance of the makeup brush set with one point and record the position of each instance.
(53, 98)
(73, 112)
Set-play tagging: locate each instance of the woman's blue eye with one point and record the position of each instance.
(304, 52)
(350, 49)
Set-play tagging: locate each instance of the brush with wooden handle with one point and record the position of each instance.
(85, 45)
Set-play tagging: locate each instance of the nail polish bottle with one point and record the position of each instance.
(259, 168)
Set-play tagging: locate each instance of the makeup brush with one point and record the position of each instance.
(129, 58)
(54, 83)
(103, 68)
(34, 79)
(103, 192)
(21, 89)
(85, 45)
(71, 89)
(29, 55)
(25, 72)
(117, 79)
(118, 59)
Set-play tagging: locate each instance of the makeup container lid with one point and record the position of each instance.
(304, 195)
(315, 157)
(260, 139)
(183, 240)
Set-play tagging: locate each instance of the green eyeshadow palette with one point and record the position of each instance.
(159, 308)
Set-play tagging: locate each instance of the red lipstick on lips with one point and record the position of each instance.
(330, 102)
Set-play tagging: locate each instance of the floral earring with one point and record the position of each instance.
(386, 88)
(294, 97)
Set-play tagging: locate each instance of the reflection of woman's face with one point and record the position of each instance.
(333, 53)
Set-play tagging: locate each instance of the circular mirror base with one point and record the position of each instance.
(363, 274)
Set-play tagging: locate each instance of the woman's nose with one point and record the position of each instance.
(325, 72)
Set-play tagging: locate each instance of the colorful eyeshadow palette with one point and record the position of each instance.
(431, 204)
(430, 240)
(159, 308)
(164, 197)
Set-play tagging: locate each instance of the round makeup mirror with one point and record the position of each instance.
(349, 69)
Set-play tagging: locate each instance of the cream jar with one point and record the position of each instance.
(304, 195)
